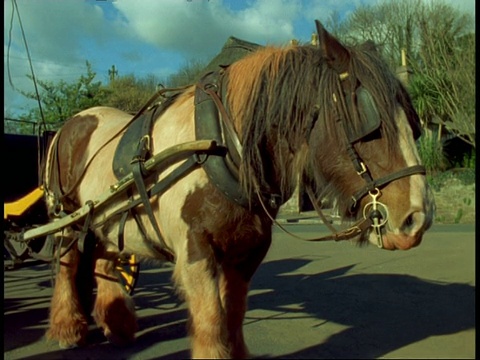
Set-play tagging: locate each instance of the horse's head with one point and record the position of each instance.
(362, 145)
(340, 113)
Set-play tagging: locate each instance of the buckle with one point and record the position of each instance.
(363, 168)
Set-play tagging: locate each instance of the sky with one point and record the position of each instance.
(146, 37)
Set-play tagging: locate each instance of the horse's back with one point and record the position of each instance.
(106, 123)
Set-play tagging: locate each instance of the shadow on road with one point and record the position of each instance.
(23, 326)
(384, 312)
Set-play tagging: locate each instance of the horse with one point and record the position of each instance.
(331, 115)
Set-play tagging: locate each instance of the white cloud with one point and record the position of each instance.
(151, 36)
(200, 27)
(55, 32)
(57, 35)
(55, 29)
(270, 21)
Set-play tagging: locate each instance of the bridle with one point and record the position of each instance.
(375, 213)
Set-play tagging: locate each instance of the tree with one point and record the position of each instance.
(188, 74)
(440, 45)
(446, 58)
(61, 100)
(129, 94)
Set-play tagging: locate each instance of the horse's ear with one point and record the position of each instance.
(336, 55)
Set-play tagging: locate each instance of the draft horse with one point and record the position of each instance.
(334, 114)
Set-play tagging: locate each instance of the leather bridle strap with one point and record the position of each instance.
(378, 183)
(362, 225)
(347, 234)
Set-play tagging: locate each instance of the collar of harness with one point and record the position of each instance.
(212, 121)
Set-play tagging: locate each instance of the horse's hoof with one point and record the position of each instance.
(68, 337)
(119, 339)
(65, 346)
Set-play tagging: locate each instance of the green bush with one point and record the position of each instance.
(431, 152)
(469, 160)
(466, 176)
(439, 179)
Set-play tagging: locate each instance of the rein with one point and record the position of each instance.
(356, 229)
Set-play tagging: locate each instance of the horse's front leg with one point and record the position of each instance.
(233, 293)
(114, 310)
(197, 279)
(67, 324)
(234, 285)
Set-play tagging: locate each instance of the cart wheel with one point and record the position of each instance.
(128, 271)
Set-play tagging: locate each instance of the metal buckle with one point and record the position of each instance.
(147, 141)
(364, 168)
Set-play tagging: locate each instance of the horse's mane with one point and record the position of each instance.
(274, 93)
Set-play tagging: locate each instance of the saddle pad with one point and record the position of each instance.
(140, 126)
(127, 146)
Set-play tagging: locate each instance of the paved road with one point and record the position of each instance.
(308, 300)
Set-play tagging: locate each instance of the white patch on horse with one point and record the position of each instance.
(408, 147)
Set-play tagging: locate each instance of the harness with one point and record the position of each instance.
(219, 151)
(212, 121)
(137, 141)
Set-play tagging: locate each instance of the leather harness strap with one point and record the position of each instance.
(226, 119)
(223, 170)
(139, 172)
(378, 183)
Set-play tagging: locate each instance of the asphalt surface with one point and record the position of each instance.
(307, 300)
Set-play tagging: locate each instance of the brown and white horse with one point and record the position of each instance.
(333, 113)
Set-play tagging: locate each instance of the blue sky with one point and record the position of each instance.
(145, 37)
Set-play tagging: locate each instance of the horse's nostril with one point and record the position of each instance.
(408, 223)
(413, 222)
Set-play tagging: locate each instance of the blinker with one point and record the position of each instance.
(368, 119)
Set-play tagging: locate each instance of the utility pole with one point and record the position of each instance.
(112, 73)
(403, 71)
